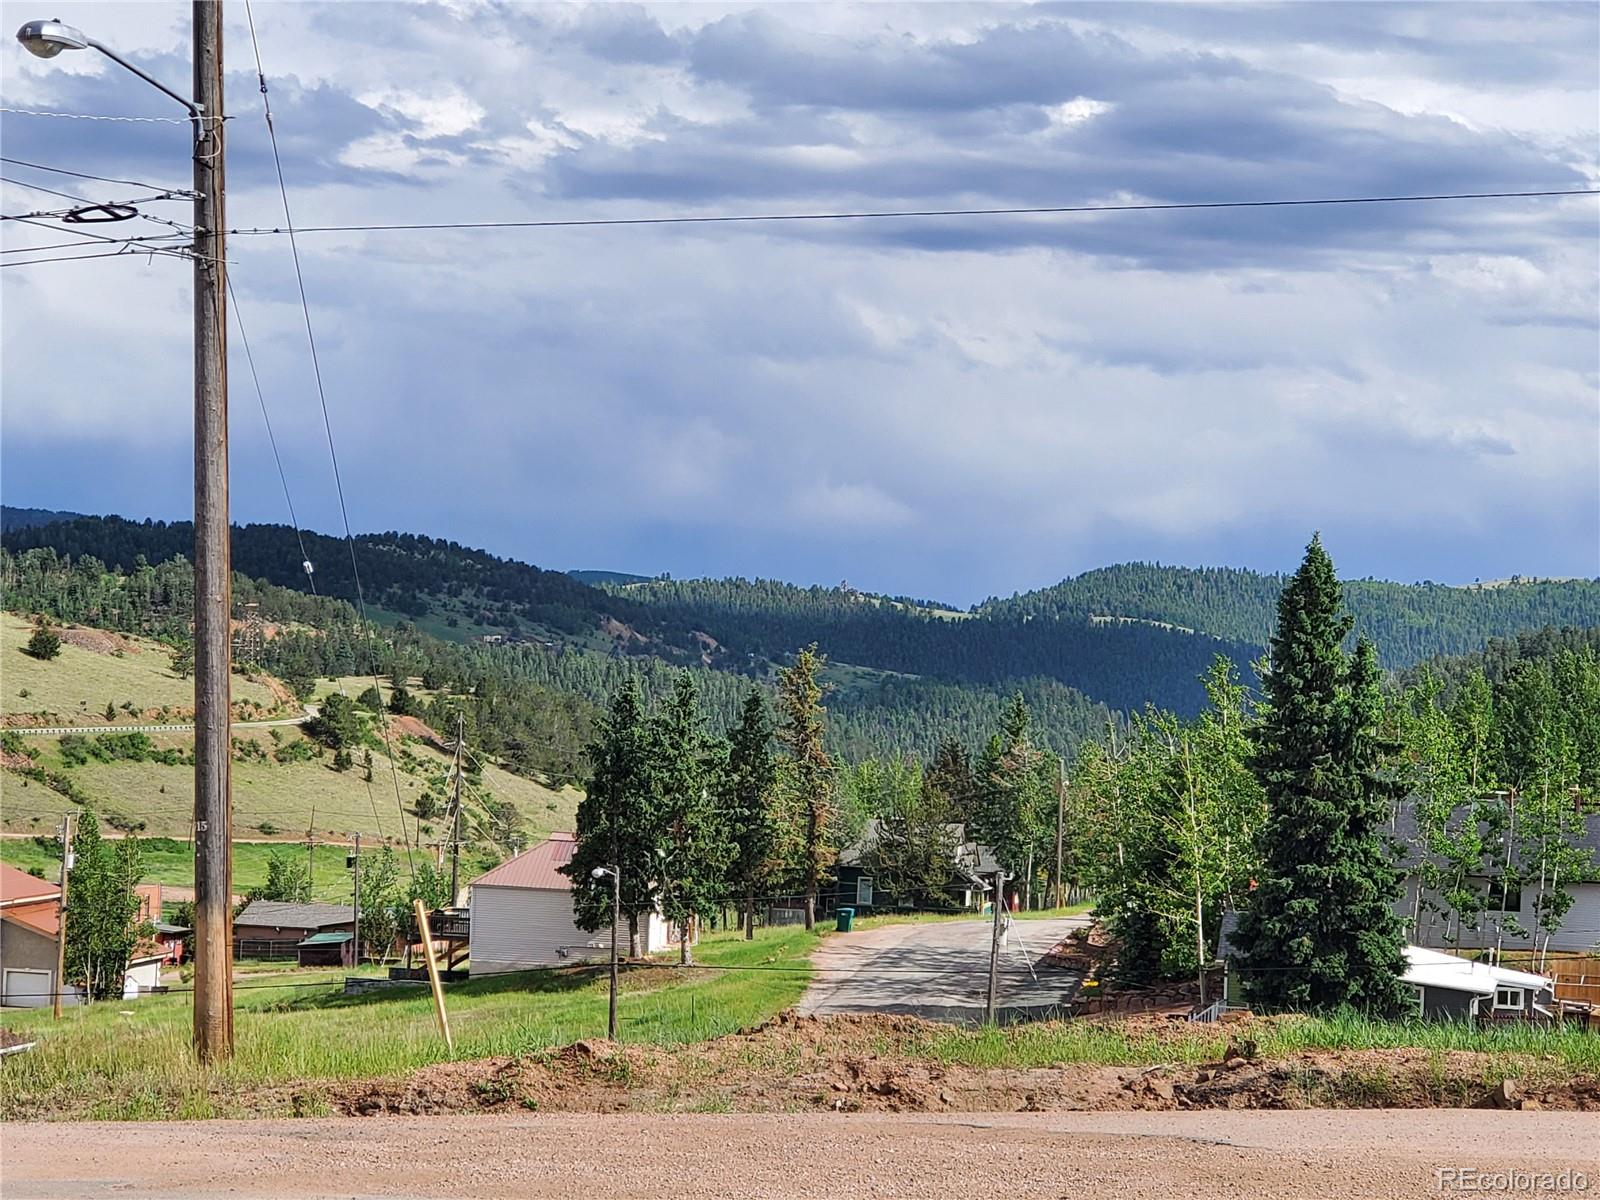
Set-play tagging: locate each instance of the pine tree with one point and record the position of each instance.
(1318, 931)
(694, 849)
(747, 786)
(616, 824)
(809, 769)
(44, 644)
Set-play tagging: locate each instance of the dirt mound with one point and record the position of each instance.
(883, 1064)
(414, 727)
(97, 641)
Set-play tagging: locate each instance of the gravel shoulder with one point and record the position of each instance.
(1135, 1155)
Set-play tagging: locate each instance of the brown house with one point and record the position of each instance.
(274, 929)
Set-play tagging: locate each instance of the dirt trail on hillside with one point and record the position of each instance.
(1134, 1156)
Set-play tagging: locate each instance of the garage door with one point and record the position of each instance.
(26, 989)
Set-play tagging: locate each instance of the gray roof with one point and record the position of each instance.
(971, 858)
(1403, 829)
(281, 915)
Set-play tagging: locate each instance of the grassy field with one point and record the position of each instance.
(270, 797)
(99, 1063)
(171, 861)
(75, 686)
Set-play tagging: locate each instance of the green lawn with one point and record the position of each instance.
(295, 1027)
(74, 687)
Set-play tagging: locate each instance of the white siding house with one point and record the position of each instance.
(1427, 926)
(522, 915)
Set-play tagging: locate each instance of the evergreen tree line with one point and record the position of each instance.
(1299, 808)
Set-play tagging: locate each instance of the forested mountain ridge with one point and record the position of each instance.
(1122, 636)
(1407, 622)
(1123, 665)
(458, 591)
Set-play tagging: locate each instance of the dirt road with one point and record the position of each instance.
(939, 970)
(1369, 1154)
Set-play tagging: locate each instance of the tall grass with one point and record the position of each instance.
(133, 1061)
(1115, 1044)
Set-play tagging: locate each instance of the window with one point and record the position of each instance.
(1508, 997)
(864, 891)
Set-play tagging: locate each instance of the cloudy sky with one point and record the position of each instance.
(952, 407)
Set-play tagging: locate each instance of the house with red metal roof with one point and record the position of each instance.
(522, 915)
(28, 925)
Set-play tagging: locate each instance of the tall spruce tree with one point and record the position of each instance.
(808, 768)
(616, 824)
(694, 848)
(1319, 931)
(747, 793)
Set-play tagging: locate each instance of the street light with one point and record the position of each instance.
(616, 916)
(46, 39)
(213, 584)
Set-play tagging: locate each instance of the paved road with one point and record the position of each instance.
(940, 969)
(56, 730)
(1039, 1156)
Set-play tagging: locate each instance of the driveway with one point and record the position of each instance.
(940, 970)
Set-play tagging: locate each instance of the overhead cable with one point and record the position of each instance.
(896, 214)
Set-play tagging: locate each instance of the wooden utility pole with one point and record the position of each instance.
(455, 809)
(994, 945)
(213, 581)
(1061, 812)
(355, 903)
(311, 852)
(61, 917)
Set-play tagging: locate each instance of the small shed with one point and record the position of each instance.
(329, 949)
(521, 915)
(1453, 988)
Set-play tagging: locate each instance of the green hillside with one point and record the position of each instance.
(1408, 622)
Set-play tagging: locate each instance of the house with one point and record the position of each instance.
(28, 928)
(521, 915)
(1457, 989)
(331, 948)
(971, 865)
(144, 972)
(1448, 987)
(1510, 920)
(275, 929)
(169, 939)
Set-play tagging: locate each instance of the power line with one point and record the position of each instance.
(148, 237)
(154, 187)
(124, 252)
(327, 422)
(47, 191)
(895, 214)
(39, 112)
(294, 520)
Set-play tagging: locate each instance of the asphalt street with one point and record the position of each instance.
(940, 970)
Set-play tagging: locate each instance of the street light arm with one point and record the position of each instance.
(196, 113)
